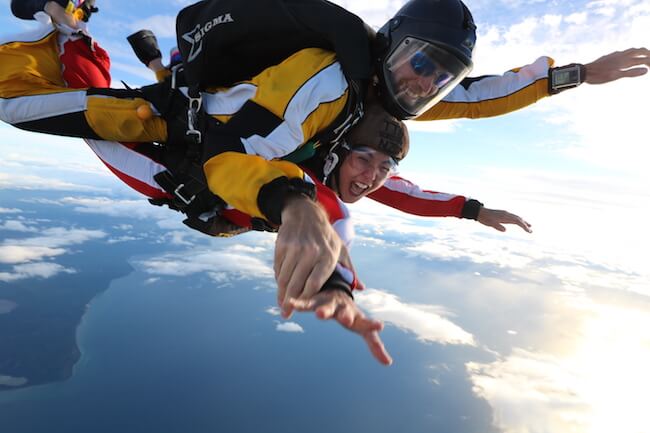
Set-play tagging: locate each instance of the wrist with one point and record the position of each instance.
(337, 282)
(59, 14)
(566, 77)
(156, 64)
(277, 197)
(471, 209)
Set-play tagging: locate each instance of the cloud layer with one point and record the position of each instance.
(425, 321)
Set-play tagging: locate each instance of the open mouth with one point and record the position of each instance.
(358, 188)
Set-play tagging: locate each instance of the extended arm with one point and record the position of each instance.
(406, 196)
(494, 95)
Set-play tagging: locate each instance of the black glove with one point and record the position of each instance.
(145, 46)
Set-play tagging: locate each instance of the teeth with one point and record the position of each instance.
(361, 186)
(358, 188)
(413, 94)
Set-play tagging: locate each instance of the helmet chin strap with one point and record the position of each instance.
(331, 161)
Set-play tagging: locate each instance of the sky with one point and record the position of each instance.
(573, 165)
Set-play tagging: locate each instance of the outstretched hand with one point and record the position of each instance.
(306, 251)
(632, 62)
(497, 218)
(337, 305)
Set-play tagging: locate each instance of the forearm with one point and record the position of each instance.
(407, 197)
(250, 183)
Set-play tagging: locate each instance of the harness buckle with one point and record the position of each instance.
(181, 197)
(175, 70)
(192, 119)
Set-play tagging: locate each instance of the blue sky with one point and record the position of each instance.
(573, 165)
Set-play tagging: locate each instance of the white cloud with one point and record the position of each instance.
(552, 20)
(9, 210)
(124, 227)
(569, 214)
(426, 322)
(273, 311)
(16, 226)
(606, 136)
(176, 237)
(121, 239)
(577, 18)
(20, 254)
(58, 237)
(218, 262)
(597, 384)
(29, 182)
(139, 209)
(35, 161)
(12, 381)
(26, 254)
(34, 270)
(291, 327)
(220, 277)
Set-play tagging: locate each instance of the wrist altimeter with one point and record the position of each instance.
(566, 77)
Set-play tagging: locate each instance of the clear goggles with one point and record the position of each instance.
(364, 158)
(419, 74)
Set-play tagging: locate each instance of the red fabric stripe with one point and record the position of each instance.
(236, 217)
(141, 187)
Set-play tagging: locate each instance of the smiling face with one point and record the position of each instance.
(418, 74)
(363, 171)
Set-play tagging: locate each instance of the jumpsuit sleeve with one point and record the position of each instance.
(408, 197)
(494, 95)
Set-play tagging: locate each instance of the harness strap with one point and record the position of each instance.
(216, 225)
(189, 195)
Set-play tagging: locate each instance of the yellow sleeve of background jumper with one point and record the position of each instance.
(117, 119)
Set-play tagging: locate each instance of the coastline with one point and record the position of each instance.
(41, 337)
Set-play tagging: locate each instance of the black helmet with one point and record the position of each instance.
(422, 53)
(380, 131)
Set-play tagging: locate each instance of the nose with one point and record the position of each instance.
(369, 175)
(426, 84)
